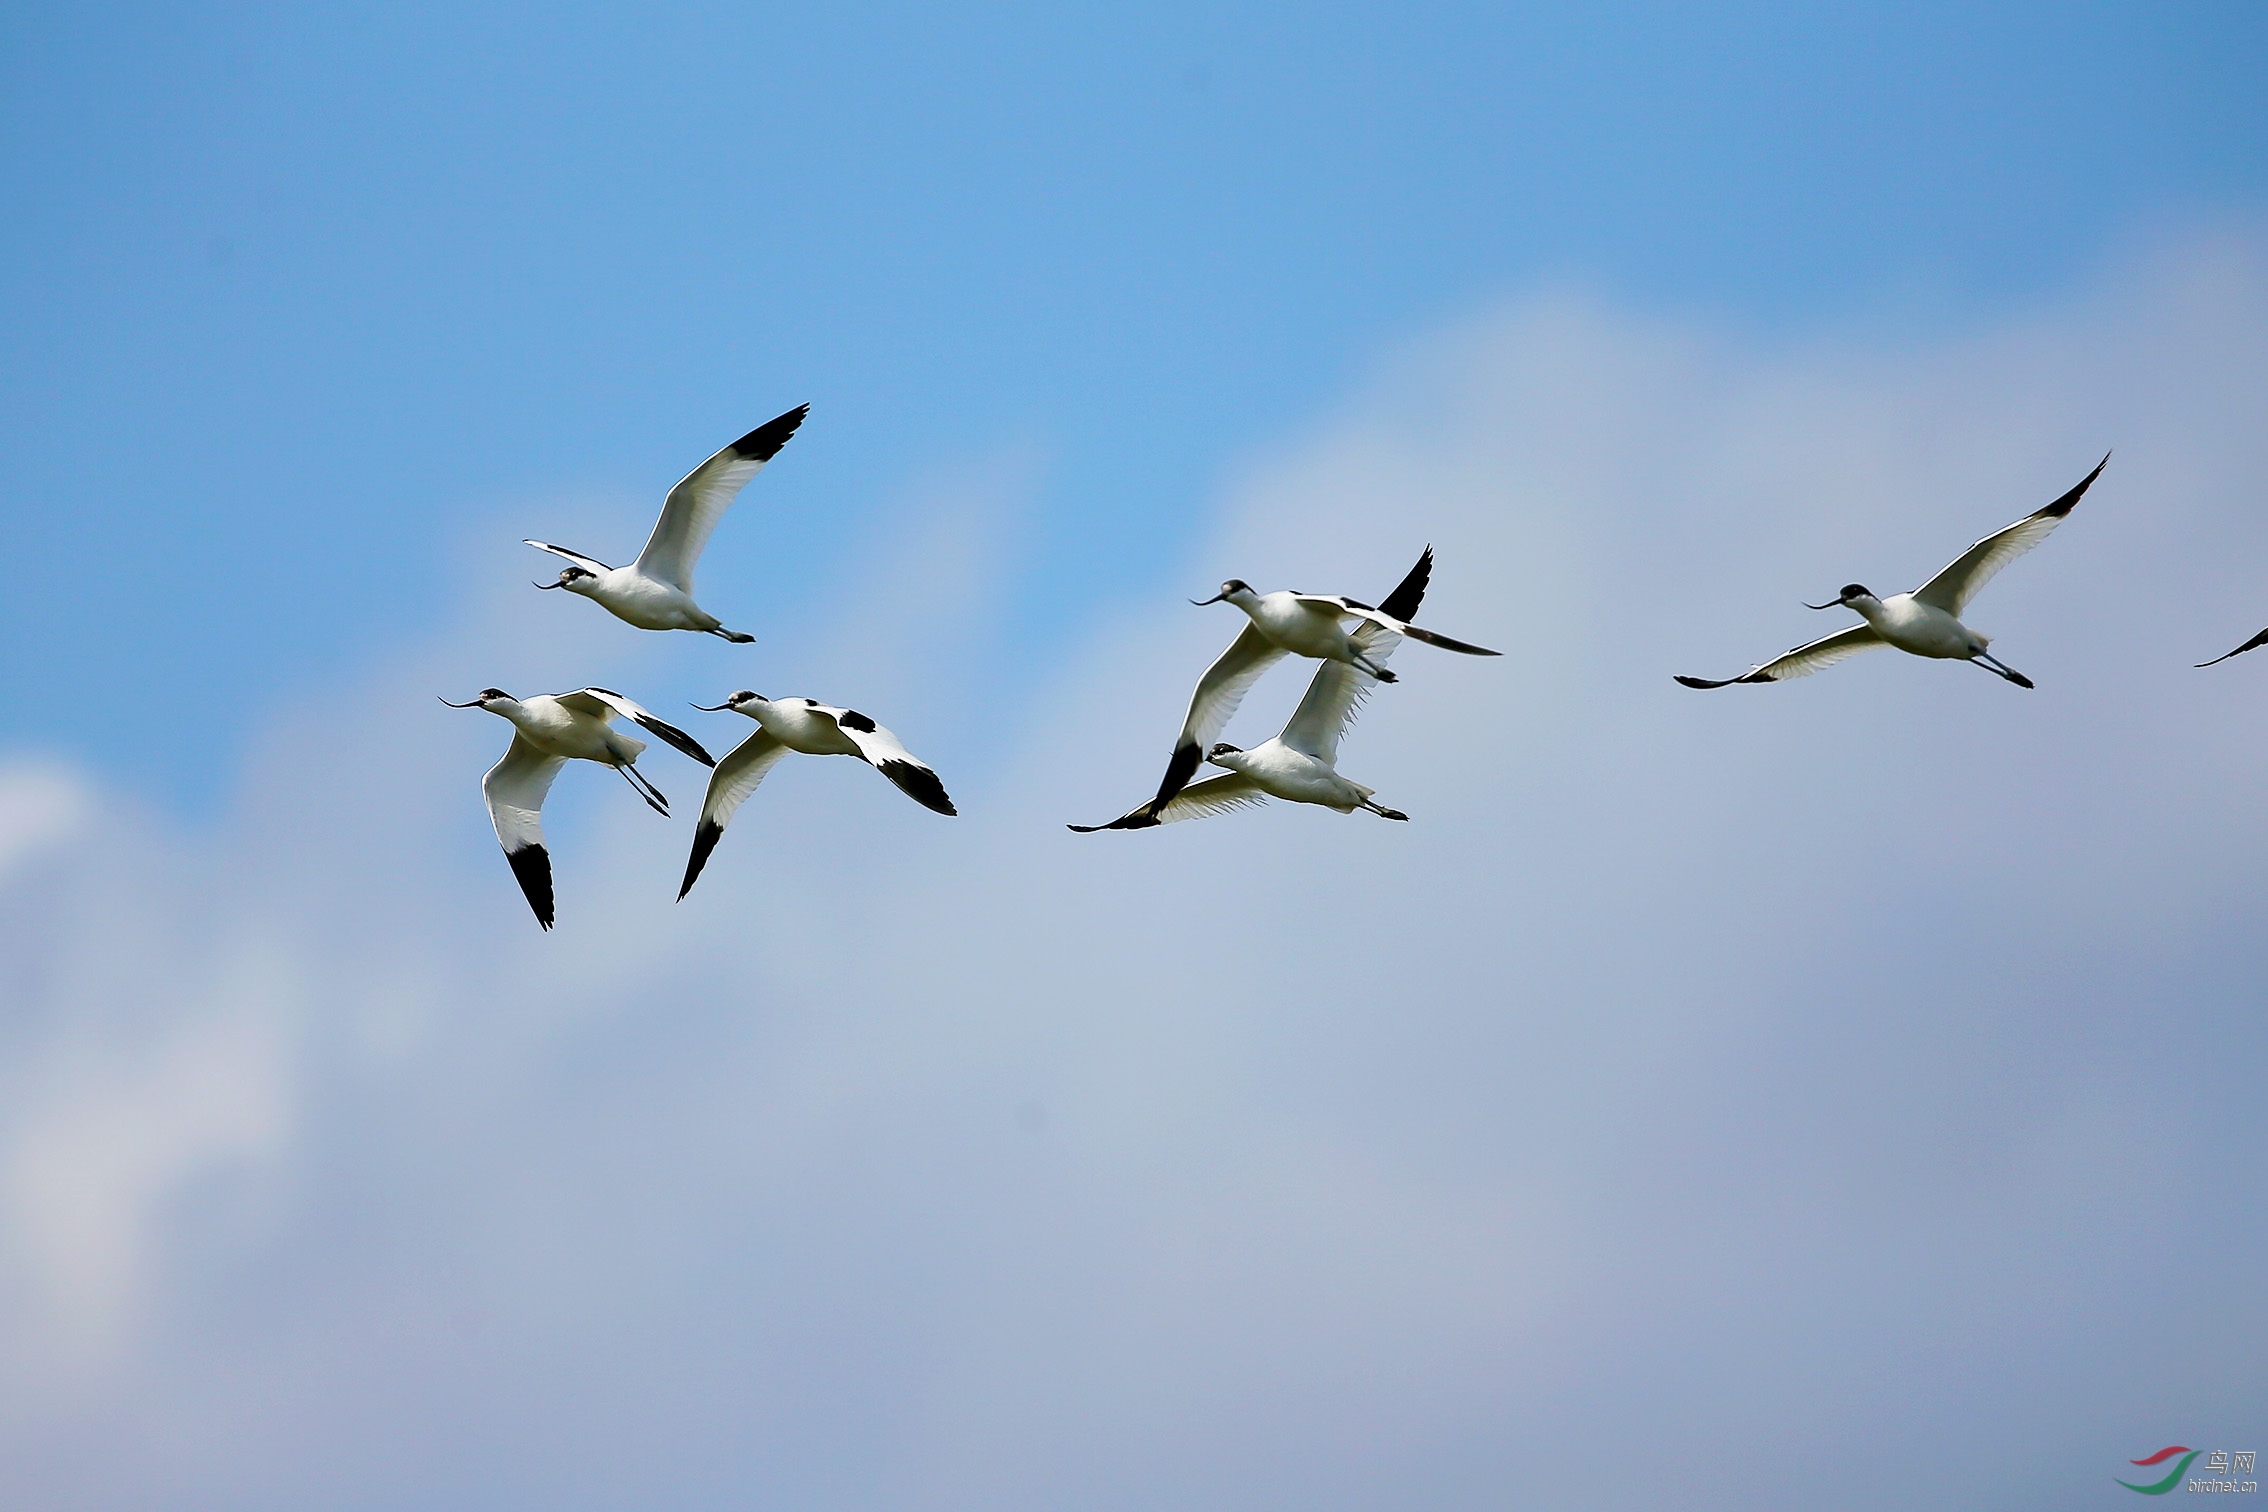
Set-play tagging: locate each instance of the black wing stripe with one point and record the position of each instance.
(1445, 643)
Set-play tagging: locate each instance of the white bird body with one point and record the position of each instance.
(812, 728)
(1927, 621)
(1300, 624)
(629, 595)
(548, 731)
(1294, 776)
(1315, 625)
(656, 591)
(1924, 629)
(556, 729)
(802, 725)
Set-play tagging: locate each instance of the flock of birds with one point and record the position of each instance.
(1353, 641)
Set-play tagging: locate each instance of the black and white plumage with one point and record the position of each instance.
(656, 591)
(1927, 621)
(815, 729)
(1301, 763)
(548, 732)
(1287, 623)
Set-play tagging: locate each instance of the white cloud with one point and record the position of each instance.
(1862, 1070)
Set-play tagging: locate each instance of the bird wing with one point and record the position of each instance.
(515, 789)
(1395, 623)
(1334, 697)
(2259, 640)
(1952, 589)
(1410, 591)
(744, 767)
(1338, 691)
(700, 498)
(1215, 795)
(1803, 660)
(573, 556)
(601, 702)
(1214, 704)
(881, 750)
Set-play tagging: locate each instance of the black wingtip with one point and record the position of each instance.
(2259, 640)
(1725, 682)
(920, 784)
(531, 864)
(2062, 506)
(705, 838)
(1140, 819)
(764, 442)
(678, 738)
(1186, 760)
(1402, 603)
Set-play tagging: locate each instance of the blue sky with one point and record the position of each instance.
(1845, 1093)
(350, 287)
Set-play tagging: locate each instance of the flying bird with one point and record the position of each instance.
(1301, 764)
(1927, 621)
(656, 591)
(1305, 624)
(549, 731)
(815, 729)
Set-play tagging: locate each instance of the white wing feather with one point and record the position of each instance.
(1335, 696)
(1952, 588)
(690, 513)
(515, 789)
(1215, 795)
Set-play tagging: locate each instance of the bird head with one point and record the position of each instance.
(484, 699)
(574, 580)
(1221, 749)
(1232, 590)
(1853, 595)
(742, 702)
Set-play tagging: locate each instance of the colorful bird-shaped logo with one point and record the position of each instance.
(2173, 1477)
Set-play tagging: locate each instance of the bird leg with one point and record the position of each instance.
(1994, 664)
(645, 790)
(1367, 665)
(1385, 813)
(731, 635)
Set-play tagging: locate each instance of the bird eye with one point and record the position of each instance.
(1855, 590)
(494, 693)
